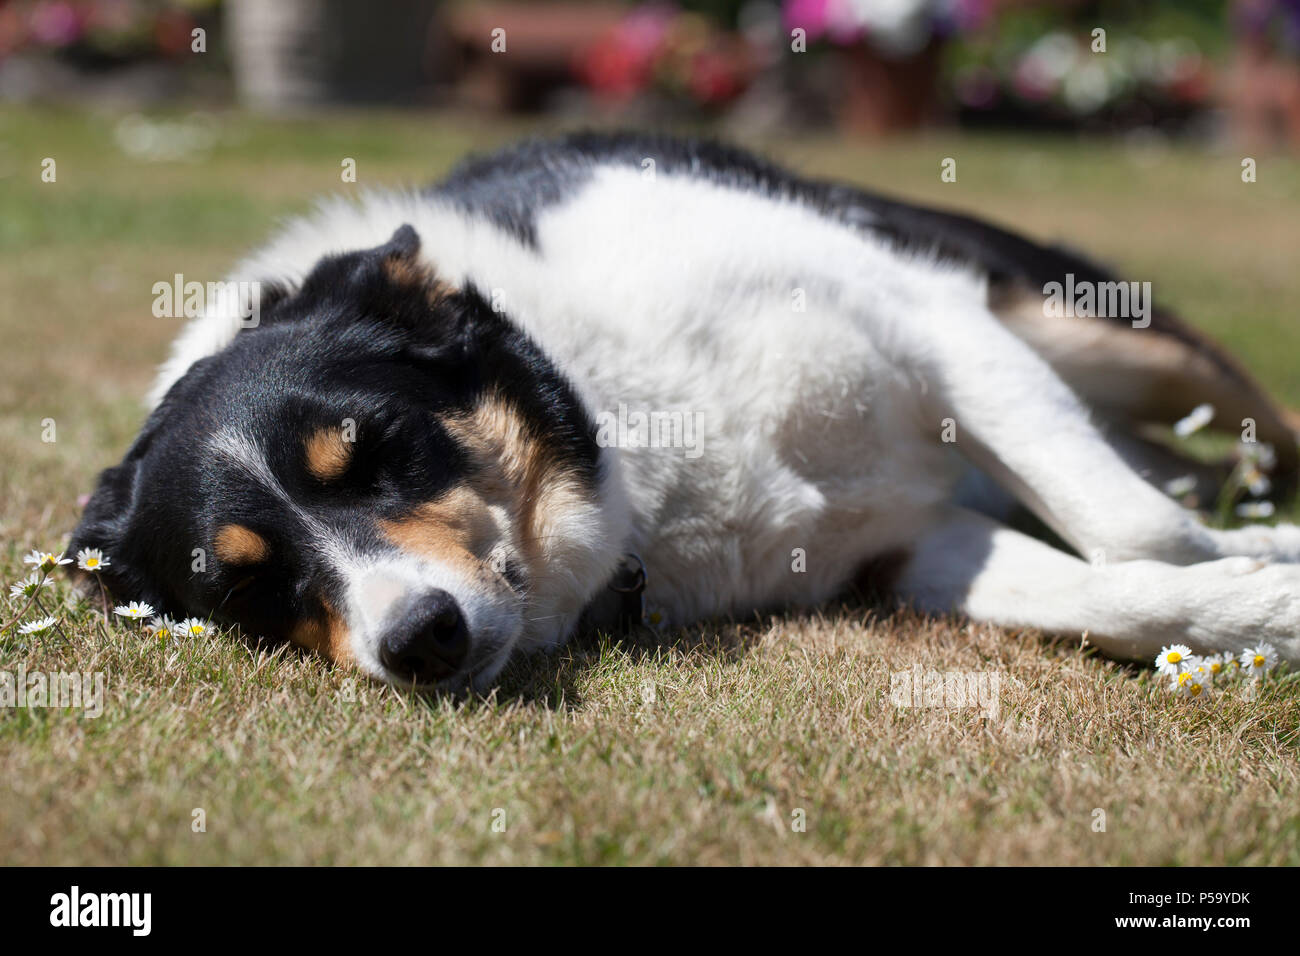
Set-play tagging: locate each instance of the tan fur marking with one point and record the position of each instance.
(457, 528)
(328, 455)
(235, 544)
(412, 273)
(515, 469)
(439, 290)
(407, 272)
(327, 636)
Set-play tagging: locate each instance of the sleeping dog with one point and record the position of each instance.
(612, 375)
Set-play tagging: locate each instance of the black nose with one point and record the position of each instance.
(428, 642)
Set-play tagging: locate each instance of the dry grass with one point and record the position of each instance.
(696, 750)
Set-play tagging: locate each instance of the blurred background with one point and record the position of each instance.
(1190, 68)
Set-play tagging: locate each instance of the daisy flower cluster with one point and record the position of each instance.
(1243, 491)
(1196, 677)
(26, 594)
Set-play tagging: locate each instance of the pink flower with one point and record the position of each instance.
(54, 24)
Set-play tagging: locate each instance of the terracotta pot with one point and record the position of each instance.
(884, 94)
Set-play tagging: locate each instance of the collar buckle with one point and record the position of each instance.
(629, 584)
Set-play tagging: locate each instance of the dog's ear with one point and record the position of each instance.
(375, 277)
(389, 281)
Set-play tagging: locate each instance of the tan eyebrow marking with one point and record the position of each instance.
(235, 544)
(328, 455)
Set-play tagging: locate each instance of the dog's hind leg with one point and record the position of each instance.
(970, 564)
(1152, 375)
(1018, 421)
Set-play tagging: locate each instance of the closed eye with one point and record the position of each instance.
(241, 586)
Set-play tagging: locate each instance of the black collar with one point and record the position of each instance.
(620, 607)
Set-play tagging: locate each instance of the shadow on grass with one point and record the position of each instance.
(555, 679)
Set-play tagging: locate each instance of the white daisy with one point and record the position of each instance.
(1192, 687)
(46, 560)
(1260, 453)
(92, 559)
(1257, 482)
(1255, 509)
(191, 627)
(1201, 669)
(26, 588)
(1172, 660)
(38, 626)
(1220, 665)
(1196, 419)
(133, 611)
(161, 627)
(1259, 660)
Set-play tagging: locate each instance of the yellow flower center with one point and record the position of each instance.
(1259, 660)
(1175, 657)
(1184, 677)
(1216, 667)
(92, 562)
(1196, 690)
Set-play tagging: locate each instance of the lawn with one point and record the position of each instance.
(765, 741)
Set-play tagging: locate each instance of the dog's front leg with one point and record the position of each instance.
(968, 563)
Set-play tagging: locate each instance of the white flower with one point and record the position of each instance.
(1255, 509)
(36, 627)
(1261, 453)
(1220, 666)
(191, 627)
(46, 560)
(1196, 419)
(1189, 685)
(1201, 669)
(92, 559)
(1259, 660)
(1172, 660)
(26, 588)
(134, 611)
(161, 627)
(1258, 484)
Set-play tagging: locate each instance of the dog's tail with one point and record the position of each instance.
(1156, 375)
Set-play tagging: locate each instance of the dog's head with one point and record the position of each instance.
(385, 471)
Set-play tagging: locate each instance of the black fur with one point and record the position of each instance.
(512, 186)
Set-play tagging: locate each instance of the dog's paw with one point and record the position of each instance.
(1280, 542)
